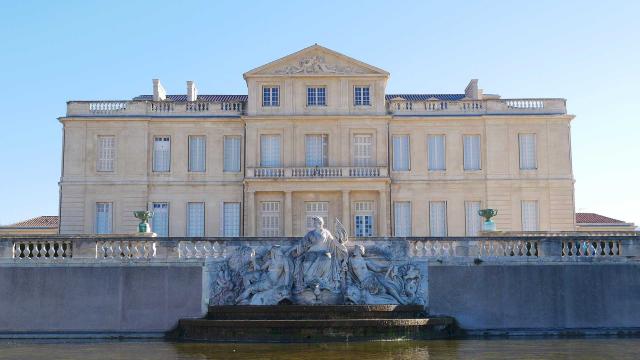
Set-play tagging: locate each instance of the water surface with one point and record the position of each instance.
(598, 348)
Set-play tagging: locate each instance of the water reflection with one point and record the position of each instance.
(602, 348)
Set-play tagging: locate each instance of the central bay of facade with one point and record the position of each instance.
(316, 135)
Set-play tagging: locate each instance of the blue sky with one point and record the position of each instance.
(585, 51)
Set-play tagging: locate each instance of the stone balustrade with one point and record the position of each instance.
(318, 172)
(45, 249)
(154, 108)
(477, 107)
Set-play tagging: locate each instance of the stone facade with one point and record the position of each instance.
(336, 148)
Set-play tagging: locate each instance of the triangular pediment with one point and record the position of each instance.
(316, 60)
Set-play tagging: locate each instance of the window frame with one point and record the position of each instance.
(204, 219)
(393, 153)
(110, 214)
(271, 103)
(464, 157)
(409, 221)
(359, 100)
(535, 151)
(153, 155)
(224, 154)
(262, 153)
(99, 151)
(444, 153)
(316, 96)
(204, 155)
(445, 219)
(225, 224)
(168, 206)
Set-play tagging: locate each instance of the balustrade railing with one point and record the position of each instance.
(318, 172)
(43, 250)
(153, 108)
(490, 106)
(125, 249)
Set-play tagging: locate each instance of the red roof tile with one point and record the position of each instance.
(37, 222)
(593, 218)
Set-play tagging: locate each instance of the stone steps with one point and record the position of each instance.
(301, 323)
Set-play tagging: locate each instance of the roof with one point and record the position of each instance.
(208, 98)
(593, 218)
(50, 222)
(423, 97)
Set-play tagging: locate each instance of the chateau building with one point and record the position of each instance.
(316, 135)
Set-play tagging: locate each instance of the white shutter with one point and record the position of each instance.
(270, 150)
(473, 221)
(316, 150)
(231, 219)
(362, 144)
(471, 144)
(104, 218)
(402, 218)
(161, 153)
(401, 153)
(438, 218)
(436, 152)
(270, 216)
(528, 151)
(530, 220)
(195, 219)
(106, 153)
(160, 219)
(231, 153)
(197, 151)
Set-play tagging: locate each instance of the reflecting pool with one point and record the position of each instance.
(586, 348)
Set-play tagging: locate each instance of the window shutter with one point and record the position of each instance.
(104, 218)
(438, 218)
(402, 218)
(316, 150)
(161, 153)
(362, 149)
(231, 154)
(471, 145)
(436, 152)
(270, 150)
(197, 148)
(401, 153)
(473, 221)
(195, 219)
(530, 221)
(528, 151)
(230, 223)
(160, 219)
(106, 153)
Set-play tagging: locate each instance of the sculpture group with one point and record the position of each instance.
(320, 269)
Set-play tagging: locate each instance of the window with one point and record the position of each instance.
(270, 216)
(270, 96)
(160, 219)
(362, 154)
(529, 215)
(361, 96)
(104, 218)
(195, 219)
(231, 154)
(316, 150)
(161, 153)
(472, 220)
(316, 208)
(528, 158)
(401, 153)
(438, 218)
(436, 152)
(471, 144)
(402, 218)
(197, 149)
(270, 150)
(231, 219)
(316, 96)
(363, 218)
(106, 153)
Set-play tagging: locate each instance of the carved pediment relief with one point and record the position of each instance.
(316, 60)
(317, 65)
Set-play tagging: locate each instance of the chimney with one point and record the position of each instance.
(192, 91)
(472, 92)
(159, 94)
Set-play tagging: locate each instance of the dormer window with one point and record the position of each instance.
(270, 96)
(316, 96)
(361, 96)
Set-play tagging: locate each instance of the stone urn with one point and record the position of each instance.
(487, 214)
(144, 217)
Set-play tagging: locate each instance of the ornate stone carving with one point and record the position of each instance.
(317, 65)
(320, 269)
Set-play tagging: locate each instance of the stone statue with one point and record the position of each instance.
(318, 270)
(320, 262)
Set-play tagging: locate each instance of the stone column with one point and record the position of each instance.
(250, 213)
(288, 214)
(382, 213)
(346, 211)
